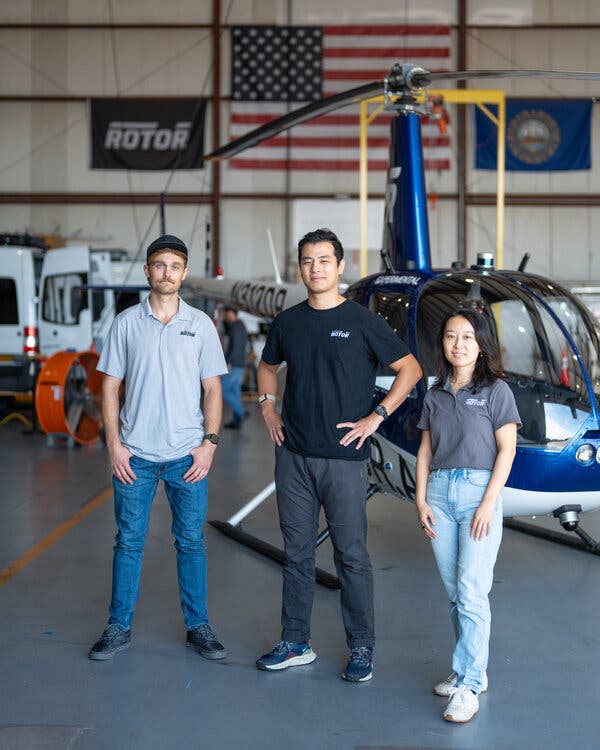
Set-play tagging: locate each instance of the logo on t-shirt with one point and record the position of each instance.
(476, 402)
(340, 334)
(186, 333)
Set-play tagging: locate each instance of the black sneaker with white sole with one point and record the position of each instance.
(112, 640)
(203, 640)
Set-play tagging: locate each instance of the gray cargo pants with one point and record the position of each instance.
(304, 484)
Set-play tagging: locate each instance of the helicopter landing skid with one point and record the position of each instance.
(568, 515)
(232, 528)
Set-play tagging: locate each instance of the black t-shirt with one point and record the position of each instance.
(332, 357)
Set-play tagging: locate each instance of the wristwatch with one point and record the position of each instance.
(211, 437)
(381, 411)
(266, 397)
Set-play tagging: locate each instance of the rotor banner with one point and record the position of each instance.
(542, 135)
(147, 133)
(275, 69)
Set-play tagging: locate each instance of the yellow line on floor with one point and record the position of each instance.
(22, 562)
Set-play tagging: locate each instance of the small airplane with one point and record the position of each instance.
(549, 342)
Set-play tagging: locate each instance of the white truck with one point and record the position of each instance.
(60, 299)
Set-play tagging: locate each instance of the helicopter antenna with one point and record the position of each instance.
(273, 256)
(524, 262)
(387, 263)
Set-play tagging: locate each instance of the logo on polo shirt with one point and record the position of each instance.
(476, 402)
(186, 333)
(340, 334)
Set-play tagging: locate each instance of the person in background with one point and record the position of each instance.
(469, 431)
(235, 355)
(167, 354)
(332, 347)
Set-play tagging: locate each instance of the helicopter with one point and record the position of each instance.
(548, 339)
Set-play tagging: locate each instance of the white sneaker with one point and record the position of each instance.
(446, 687)
(462, 706)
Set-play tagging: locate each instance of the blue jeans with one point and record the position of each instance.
(188, 503)
(231, 383)
(466, 566)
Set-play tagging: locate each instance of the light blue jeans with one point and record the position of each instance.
(188, 503)
(231, 384)
(466, 566)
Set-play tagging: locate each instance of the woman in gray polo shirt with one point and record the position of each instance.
(469, 432)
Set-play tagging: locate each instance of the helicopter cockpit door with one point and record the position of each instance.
(65, 315)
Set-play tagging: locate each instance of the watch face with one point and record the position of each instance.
(214, 439)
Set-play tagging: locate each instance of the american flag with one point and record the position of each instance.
(275, 68)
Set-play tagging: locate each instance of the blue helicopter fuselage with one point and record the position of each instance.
(551, 356)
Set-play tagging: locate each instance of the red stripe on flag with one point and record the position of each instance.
(256, 119)
(321, 165)
(355, 75)
(386, 30)
(392, 52)
(334, 141)
(304, 164)
(323, 142)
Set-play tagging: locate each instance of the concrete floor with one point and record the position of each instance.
(545, 651)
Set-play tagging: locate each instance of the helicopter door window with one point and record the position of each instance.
(545, 378)
(393, 308)
(583, 333)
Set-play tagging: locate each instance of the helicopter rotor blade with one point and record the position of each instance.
(403, 79)
(298, 116)
(468, 75)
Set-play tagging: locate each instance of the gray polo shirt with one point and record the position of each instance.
(462, 424)
(162, 366)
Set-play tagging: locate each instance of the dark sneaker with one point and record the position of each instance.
(287, 654)
(203, 640)
(360, 665)
(235, 424)
(110, 643)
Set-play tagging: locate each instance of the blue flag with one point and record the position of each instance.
(541, 135)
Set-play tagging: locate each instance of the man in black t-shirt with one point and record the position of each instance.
(332, 347)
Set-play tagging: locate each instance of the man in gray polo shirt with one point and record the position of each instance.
(167, 354)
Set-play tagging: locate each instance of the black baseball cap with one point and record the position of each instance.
(167, 242)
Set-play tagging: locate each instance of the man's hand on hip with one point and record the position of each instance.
(203, 456)
(362, 429)
(119, 463)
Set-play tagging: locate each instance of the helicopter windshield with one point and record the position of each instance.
(541, 368)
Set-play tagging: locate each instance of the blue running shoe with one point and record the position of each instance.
(360, 665)
(287, 654)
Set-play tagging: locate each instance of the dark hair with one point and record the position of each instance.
(321, 235)
(489, 364)
(226, 308)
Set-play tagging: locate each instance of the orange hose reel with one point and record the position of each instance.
(67, 396)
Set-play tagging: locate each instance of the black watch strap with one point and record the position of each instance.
(211, 437)
(381, 411)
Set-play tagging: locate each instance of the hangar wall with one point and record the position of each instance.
(49, 71)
